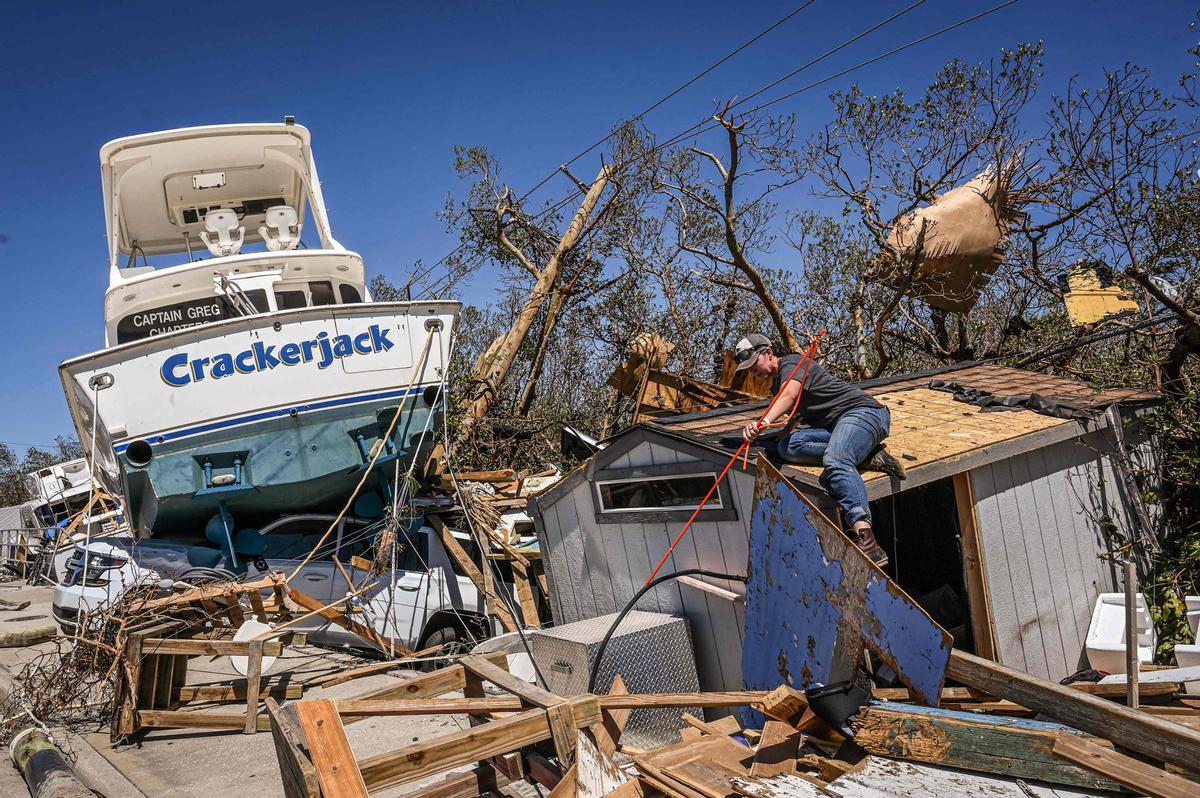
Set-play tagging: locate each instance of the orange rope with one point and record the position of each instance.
(744, 449)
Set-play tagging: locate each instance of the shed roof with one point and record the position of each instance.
(934, 435)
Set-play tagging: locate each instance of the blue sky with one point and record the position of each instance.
(387, 90)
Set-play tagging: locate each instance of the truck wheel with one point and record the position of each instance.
(450, 637)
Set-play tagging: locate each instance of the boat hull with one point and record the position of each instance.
(266, 415)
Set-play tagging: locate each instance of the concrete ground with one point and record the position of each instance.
(177, 763)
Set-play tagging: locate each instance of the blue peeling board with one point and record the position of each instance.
(813, 600)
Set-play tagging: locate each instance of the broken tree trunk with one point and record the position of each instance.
(495, 363)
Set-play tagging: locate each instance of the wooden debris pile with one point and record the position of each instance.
(981, 739)
(493, 511)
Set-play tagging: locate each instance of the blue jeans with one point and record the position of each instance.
(854, 436)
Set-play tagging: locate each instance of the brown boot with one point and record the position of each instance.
(882, 460)
(864, 538)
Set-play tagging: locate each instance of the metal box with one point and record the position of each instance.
(652, 652)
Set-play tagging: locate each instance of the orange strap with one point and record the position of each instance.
(744, 449)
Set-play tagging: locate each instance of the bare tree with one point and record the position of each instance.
(493, 366)
(723, 230)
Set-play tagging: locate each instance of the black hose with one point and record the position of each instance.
(201, 575)
(591, 688)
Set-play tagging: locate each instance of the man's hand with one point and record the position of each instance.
(750, 432)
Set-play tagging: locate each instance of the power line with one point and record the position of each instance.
(30, 445)
(642, 114)
(703, 127)
(680, 88)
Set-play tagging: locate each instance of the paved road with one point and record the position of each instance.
(170, 763)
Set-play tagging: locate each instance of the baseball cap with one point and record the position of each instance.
(747, 350)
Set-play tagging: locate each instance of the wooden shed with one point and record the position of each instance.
(1003, 529)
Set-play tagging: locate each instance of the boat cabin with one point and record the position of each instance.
(210, 223)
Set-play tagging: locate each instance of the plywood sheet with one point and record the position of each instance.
(813, 600)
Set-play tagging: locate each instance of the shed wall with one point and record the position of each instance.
(595, 569)
(1040, 522)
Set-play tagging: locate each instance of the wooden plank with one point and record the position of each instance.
(475, 782)
(481, 581)
(209, 592)
(723, 727)
(256, 602)
(706, 766)
(777, 751)
(979, 599)
(525, 597)
(126, 703)
(184, 719)
(613, 703)
(1117, 690)
(612, 721)
(526, 691)
(330, 750)
(253, 685)
(596, 774)
(711, 589)
(786, 703)
(814, 600)
(215, 648)
(1137, 731)
(469, 745)
(563, 732)
(1123, 769)
(165, 678)
(327, 611)
(220, 693)
(300, 778)
(984, 743)
(428, 685)
(787, 785)
(568, 786)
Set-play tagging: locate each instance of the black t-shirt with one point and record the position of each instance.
(825, 397)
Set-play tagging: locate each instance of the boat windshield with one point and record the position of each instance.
(194, 312)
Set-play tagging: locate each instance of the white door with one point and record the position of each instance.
(288, 543)
(402, 612)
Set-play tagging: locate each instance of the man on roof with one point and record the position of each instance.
(845, 430)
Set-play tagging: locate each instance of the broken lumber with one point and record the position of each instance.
(470, 745)
(1138, 731)
(191, 719)
(330, 750)
(777, 751)
(482, 580)
(296, 769)
(614, 702)
(217, 648)
(220, 693)
(785, 703)
(1123, 769)
(1010, 747)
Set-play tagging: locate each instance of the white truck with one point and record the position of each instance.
(430, 603)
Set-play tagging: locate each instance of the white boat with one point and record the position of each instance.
(246, 374)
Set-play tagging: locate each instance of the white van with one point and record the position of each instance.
(431, 603)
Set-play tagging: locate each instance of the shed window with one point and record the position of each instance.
(683, 492)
